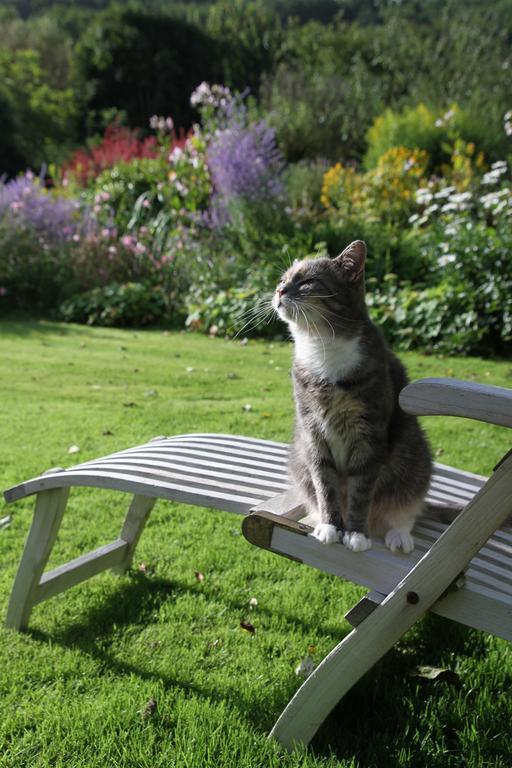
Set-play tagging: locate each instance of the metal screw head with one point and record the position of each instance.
(413, 598)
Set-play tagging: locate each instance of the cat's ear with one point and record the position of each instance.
(352, 260)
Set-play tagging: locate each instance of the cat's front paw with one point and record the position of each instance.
(399, 540)
(357, 542)
(326, 533)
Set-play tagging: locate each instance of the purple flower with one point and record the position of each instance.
(24, 203)
(245, 163)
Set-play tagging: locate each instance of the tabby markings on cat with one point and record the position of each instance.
(361, 465)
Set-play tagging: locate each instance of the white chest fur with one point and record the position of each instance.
(331, 359)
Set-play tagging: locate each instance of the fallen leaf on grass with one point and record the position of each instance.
(253, 602)
(5, 522)
(131, 404)
(143, 568)
(305, 668)
(73, 449)
(437, 674)
(248, 627)
(247, 407)
(199, 576)
(149, 709)
(311, 650)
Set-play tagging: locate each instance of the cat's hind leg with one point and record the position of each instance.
(394, 524)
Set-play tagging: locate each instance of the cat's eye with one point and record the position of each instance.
(305, 283)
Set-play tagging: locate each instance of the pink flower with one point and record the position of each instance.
(128, 241)
(3, 290)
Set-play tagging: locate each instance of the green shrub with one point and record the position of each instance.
(419, 127)
(144, 64)
(34, 274)
(468, 308)
(41, 120)
(123, 305)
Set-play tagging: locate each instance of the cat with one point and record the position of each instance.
(362, 466)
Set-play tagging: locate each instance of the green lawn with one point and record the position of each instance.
(74, 689)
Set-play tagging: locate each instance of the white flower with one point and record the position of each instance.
(175, 155)
(446, 192)
(200, 95)
(423, 196)
(447, 258)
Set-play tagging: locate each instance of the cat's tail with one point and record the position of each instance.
(443, 511)
(446, 512)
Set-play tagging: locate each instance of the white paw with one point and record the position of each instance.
(396, 540)
(357, 542)
(326, 533)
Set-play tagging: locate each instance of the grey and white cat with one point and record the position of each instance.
(361, 464)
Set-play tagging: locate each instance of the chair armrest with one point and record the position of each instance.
(451, 397)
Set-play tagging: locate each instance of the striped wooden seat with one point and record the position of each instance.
(461, 567)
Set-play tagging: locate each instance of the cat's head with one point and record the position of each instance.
(324, 296)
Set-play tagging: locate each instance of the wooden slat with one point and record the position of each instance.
(238, 503)
(183, 458)
(80, 569)
(217, 447)
(193, 463)
(176, 469)
(195, 481)
(450, 397)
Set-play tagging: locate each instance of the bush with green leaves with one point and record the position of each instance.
(143, 63)
(420, 128)
(131, 305)
(41, 120)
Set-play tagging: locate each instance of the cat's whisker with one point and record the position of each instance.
(324, 318)
(328, 323)
(257, 316)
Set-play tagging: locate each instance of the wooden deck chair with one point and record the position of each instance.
(461, 568)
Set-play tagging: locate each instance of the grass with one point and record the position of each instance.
(75, 688)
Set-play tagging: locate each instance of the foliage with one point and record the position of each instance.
(42, 119)
(385, 193)
(248, 35)
(435, 132)
(144, 64)
(303, 182)
(33, 273)
(132, 305)
(119, 144)
(26, 204)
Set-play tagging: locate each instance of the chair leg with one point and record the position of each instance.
(335, 675)
(134, 522)
(410, 599)
(49, 509)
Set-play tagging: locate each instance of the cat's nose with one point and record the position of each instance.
(281, 289)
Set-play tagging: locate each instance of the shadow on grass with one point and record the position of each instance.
(26, 327)
(371, 722)
(135, 603)
(384, 716)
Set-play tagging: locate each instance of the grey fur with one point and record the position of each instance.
(387, 465)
